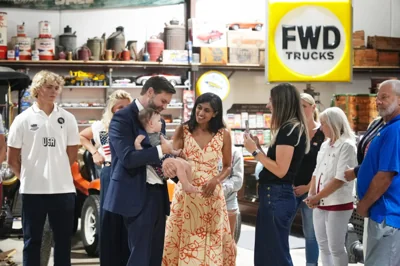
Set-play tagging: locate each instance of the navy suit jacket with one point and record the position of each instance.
(126, 194)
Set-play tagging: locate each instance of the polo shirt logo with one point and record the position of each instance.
(34, 127)
(49, 142)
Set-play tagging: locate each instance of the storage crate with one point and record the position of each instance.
(360, 109)
(359, 39)
(365, 57)
(388, 58)
(384, 43)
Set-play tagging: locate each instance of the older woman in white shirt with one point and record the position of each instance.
(330, 193)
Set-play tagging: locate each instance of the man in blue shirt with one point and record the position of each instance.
(378, 182)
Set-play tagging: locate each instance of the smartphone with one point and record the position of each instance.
(247, 126)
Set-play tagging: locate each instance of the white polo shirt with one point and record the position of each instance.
(43, 141)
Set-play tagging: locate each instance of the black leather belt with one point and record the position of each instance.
(107, 163)
(157, 186)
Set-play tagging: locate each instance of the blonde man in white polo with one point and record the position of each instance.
(42, 144)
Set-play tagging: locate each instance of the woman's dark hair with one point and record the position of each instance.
(286, 105)
(217, 122)
(287, 109)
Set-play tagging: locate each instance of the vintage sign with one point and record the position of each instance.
(83, 4)
(309, 41)
(215, 82)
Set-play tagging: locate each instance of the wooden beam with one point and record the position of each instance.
(190, 12)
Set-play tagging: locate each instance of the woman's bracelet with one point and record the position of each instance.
(95, 152)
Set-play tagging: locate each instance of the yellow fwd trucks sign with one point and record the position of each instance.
(309, 41)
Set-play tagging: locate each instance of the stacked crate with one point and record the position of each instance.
(360, 109)
(380, 51)
(362, 56)
(388, 49)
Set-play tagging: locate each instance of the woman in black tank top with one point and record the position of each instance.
(304, 175)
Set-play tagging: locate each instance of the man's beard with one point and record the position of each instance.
(155, 107)
(389, 110)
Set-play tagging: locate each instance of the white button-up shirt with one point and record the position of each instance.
(332, 162)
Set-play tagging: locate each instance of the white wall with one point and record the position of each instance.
(376, 17)
(139, 23)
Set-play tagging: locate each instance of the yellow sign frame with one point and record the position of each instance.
(224, 88)
(277, 71)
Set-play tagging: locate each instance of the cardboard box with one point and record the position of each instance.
(207, 33)
(214, 55)
(175, 56)
(246, 39)
(243, 56)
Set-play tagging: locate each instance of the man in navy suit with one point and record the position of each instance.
(136, 193)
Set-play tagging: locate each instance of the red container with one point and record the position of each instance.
(3, 52)
(155, 47)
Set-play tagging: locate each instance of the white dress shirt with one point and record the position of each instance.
(151, 175)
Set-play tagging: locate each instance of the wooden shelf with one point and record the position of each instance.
(77, 63)
(242, 67)
(144, 65)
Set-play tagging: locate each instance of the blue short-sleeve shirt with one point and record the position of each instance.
(383, 156)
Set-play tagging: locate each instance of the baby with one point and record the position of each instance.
(151, 121)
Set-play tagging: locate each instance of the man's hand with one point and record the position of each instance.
(300, 190)
(349, 174)
(169, 169)
(166, 145)
(138, 141)
(362, 210)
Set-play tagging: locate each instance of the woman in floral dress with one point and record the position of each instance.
(197, 230)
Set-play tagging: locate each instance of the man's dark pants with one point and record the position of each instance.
(60, 210)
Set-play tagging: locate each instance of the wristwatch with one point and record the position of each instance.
(254, 153)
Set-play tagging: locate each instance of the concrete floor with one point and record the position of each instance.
(244, 258)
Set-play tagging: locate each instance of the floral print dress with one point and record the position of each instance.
(197, 230)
